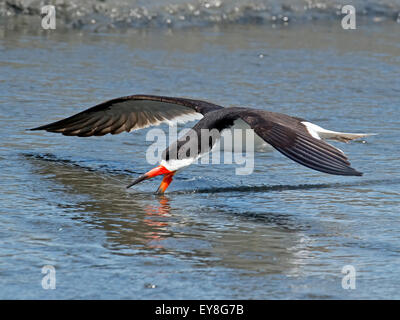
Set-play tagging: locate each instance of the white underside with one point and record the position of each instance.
(241, 138)
(174, 165)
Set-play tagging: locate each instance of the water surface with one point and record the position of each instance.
(283, 232)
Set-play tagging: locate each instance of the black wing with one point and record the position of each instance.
(287, 135)
(130, 113)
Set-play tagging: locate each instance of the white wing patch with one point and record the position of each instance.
(185, 118)
(172, 122)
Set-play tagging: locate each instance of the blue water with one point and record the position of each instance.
(101, 15)
(283, 232)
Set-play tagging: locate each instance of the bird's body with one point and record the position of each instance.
(294, 137)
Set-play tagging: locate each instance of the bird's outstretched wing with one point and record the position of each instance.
(290, 137)
(130, 113)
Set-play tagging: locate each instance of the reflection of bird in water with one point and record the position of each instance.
(128, 222)
(155, 225)
(294, 137)
(163, 209)
(145, 225)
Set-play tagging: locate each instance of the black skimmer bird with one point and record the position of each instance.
(294, 137)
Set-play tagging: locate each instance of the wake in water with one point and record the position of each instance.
(241, 188)
(102, 15)
(267, 188)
